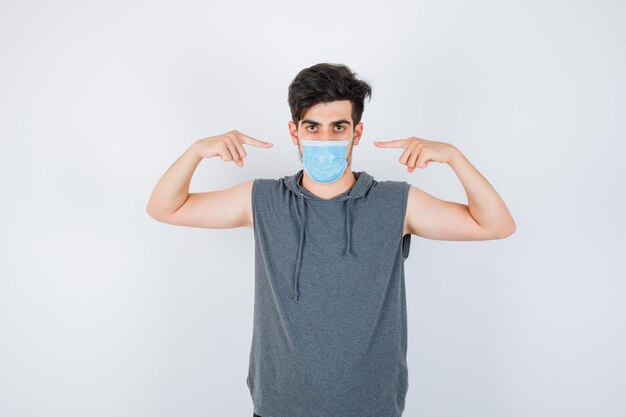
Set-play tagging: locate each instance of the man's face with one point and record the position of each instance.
(327, 121)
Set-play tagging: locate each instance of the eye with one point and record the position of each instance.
(342, 128)
(307, 128)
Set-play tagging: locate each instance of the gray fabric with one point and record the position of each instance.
(330, 328)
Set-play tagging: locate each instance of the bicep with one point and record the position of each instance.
(433, 218)
(222, 209)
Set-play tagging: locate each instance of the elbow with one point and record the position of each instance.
(152, 213)
(149, 210)
(507, 231)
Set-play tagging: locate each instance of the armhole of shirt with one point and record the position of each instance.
(253, 202)
(406, 238)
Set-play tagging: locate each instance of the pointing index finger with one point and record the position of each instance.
(248, 140)
(399, 143)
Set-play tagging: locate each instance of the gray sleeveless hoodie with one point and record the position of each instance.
(329, 330)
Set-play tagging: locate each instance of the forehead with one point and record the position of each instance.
(334, 110)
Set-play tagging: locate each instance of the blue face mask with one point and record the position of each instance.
(324, 160)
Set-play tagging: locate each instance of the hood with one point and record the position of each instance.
(294, 183)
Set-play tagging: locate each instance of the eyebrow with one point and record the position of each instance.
(314, 123)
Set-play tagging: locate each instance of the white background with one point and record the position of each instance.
(107, 312)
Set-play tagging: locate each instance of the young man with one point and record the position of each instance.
(329, 329)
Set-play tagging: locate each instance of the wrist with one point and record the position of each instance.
(194, 149)
(457, 156)
(194, 152)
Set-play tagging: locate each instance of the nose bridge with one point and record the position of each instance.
(325, 133)
(330, 132)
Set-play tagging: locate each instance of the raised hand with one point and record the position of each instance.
(418, 152)
(228, 146)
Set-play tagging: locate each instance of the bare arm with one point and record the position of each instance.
(172, 203)
(172, 189)
(485, 217)
(485, 205)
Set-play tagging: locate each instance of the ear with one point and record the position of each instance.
(293, 132)
(358, 132)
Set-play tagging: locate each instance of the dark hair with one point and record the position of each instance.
(323, 83)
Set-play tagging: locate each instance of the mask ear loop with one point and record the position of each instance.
(299, 151)
(351, 148)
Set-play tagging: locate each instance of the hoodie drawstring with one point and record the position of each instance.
(299, 259)
(302, 215)
(348, 250)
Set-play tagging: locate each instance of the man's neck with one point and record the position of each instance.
(328, 191)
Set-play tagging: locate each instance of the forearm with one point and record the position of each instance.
(485, 205)
(172, 190)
